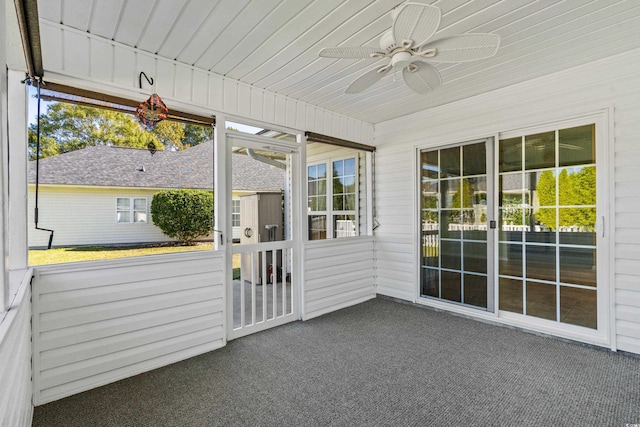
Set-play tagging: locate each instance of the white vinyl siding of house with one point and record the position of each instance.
(87, 216)
(338, 273)
(92, 326)
(16, 408)
(609, 87)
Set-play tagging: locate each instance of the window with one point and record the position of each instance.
(333, 208)
(235, 213)
(131, 210)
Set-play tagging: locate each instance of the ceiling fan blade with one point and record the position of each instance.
(465, 47)
(349, 52)
(367, 79)
(421, 77)
(415, 21)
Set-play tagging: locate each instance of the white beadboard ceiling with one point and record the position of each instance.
(274, 44)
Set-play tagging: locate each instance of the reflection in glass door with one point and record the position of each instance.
(547, 219)
(453, 207)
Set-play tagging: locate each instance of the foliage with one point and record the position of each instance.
(67, 127)
(546, 197)
(463, 197)
(577, 189)
(185, 215)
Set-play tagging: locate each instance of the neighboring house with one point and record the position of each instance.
(102, 195)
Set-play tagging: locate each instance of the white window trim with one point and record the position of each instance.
(330, 212)
(235, 214)
(132, 210)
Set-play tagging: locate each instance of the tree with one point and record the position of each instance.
(463, 197)
(67, 127)
(196, 134)
(546, 193)
(170, 135)
(185, 215)
(577, 188)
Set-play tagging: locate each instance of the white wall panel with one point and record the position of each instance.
(102, 59)
(16, 408)
(68, 54)
(184, 81)
(147, 64)
(280, 109)
(94, 323)
(124, 68)
(76, 53)
(269, 107)
(244, 100)
(164, 79)
(199, 90)
(230, 92)
(257, 104)
(216, 88)
(338, 273)
(591, 88)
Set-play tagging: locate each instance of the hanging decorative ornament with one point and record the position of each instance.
(152, 111)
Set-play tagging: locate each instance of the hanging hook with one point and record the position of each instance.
(148, 79)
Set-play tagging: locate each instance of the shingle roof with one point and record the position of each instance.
(120, 167)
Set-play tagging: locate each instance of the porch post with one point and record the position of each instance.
(18, 237)
(300, 237)
(4, 178)
(222, 235)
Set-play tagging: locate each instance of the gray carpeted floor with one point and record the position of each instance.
(380, 363)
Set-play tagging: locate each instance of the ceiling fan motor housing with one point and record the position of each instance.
(401, 59)
(387, 42)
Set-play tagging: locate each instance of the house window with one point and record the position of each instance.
(332, 208)
(131, 210)
(235, 213)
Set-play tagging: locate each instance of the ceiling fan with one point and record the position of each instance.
(406, 44)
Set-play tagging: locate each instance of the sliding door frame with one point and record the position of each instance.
(605, 228)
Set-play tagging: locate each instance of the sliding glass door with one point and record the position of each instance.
(547, 234)
(453, 206)
(520, 235)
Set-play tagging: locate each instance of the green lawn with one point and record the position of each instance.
(92, 253)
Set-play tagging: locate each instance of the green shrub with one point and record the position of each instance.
(185, 215)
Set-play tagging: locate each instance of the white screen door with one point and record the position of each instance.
(263, 293)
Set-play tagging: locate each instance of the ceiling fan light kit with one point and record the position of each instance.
(407, 44)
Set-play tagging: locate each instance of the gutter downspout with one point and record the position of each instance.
(266, 160)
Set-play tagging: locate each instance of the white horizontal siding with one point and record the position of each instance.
(94, 323)
(87, 216)
(337, 273)
(597, 86)
(16, 408)
(395, 204)
(77, 58)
